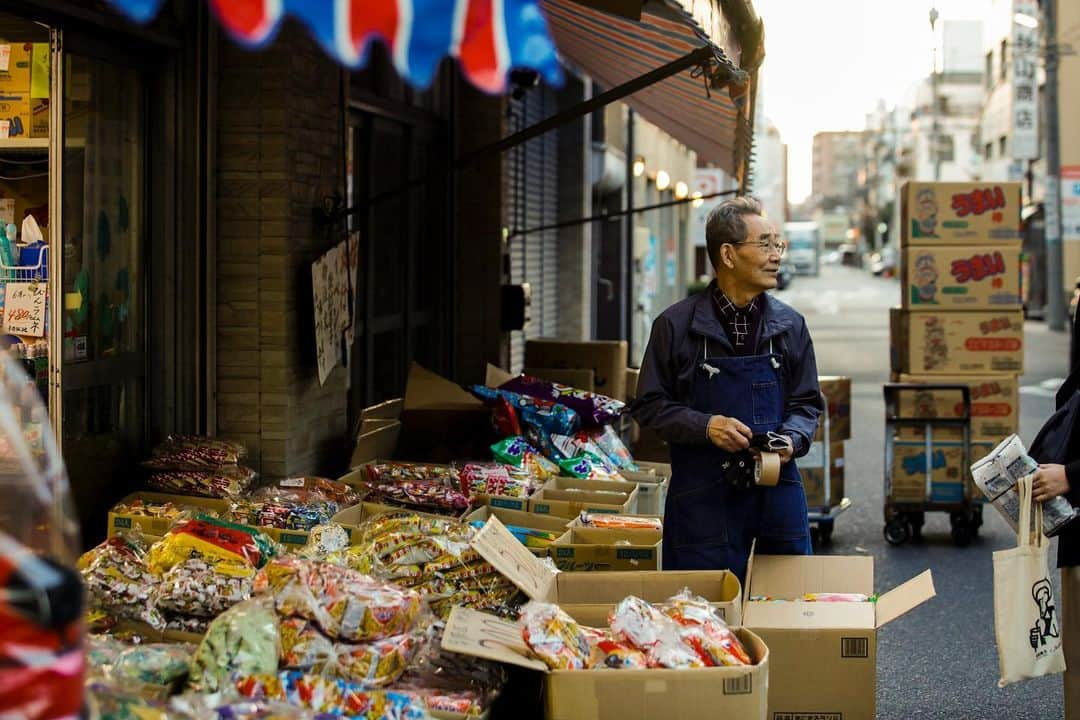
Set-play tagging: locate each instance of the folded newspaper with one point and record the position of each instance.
(997, 474)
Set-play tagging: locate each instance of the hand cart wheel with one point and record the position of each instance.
(964, 527)
(897, 530)
(825, 528)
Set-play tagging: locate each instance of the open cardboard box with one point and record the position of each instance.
(532, 521)
(157, 526)
(568, 497)
(823, 655)
(625, 694)
(607, 359)
(621, 549)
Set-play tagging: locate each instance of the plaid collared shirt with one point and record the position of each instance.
(742, 324)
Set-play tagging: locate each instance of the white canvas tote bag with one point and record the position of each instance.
(1026, 620)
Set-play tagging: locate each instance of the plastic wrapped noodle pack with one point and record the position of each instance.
(224, 482)
(244, 639)
(205, 451)
(331, 695)
(346, 604)
(213, 540)
(196, 587)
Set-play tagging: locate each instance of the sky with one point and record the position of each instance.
(827, 62)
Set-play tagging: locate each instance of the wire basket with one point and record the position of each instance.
(27, 273)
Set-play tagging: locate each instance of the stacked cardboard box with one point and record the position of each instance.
(822, 468)
(961, 322)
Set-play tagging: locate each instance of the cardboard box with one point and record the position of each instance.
(823, 656)
(532, 521)
(951, 477)
(632, 377)
(970, 213)
(377, 439)
(837, 391)
(954, 342)
(606, 358)
(995, 405)
(961, 278)
(15, 113)
(574, 377)
(15, 77)
(627, 694)
(616, 549)
(812, 470)
(441, 422)
(153, 526)
(388, 410)
(568, 497)
(357, 514)
(652, 489)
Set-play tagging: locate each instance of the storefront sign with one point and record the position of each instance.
(1070, 202)
(1025, 57)
(24, 309)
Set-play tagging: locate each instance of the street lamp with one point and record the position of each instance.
(934, 99)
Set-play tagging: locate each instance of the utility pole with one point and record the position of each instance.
(1055, 281)
(934, 148)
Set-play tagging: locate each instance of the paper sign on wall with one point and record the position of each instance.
(24, 309)
(330, 285)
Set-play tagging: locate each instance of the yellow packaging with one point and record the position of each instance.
(954, 342)
(969, 213)
(15, 78)
(15, 115)
(961, 278)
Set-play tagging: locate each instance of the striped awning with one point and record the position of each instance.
(706, 109)
(489, 38)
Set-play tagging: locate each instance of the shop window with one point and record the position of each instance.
(988, 73)
(988, 151)
(1003, 142)
(1003, 68)
(946, 148)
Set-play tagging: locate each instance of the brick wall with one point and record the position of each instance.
(279, 153)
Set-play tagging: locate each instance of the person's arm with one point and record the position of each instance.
(656, 407)
(804, 402)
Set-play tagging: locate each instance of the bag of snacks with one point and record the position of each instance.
(517, 452)
(243, 639)
(588, 467)
(646, 628)
(636, 522)
(215, 541)
(162, 664)
(552, 417)
(332, 695)
(497, 479)
(223, 482)
(214, 451)
(613, 447)
(373, 664)
(554, 637)
(118, 581)
(593, 409)
(196, 587)
(705, 631)
(345, 604)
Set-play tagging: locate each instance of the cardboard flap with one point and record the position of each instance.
(905, 598)
(514, 561)
(426, 390)
(471, 632)
(788, 576)
(496, 376)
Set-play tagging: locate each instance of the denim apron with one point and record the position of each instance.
(709, 524)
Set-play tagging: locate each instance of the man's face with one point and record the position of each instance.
(756, 267)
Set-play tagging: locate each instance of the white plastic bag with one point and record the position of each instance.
(1026, 621)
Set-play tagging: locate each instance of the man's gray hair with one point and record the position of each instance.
(725, 224)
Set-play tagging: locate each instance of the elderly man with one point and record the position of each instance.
(728, 371)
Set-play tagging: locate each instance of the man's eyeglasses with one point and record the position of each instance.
(767, 243)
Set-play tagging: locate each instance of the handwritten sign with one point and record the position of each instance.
(24, 309)
(330, 285)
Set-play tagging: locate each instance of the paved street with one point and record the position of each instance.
(940, 660)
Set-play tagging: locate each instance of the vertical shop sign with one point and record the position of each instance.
(332, 292)
(24, 309)
(1070, 202)
(1025, 57)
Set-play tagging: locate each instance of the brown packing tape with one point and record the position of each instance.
(768, 469)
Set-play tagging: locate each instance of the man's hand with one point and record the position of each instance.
(1049, 482)
(729, 434)
(787, 453)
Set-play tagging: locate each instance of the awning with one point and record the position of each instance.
(706, 108)
(487, 37)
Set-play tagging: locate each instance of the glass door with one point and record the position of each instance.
(100, 278)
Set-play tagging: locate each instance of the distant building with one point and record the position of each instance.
(837, 157)
(769, 172)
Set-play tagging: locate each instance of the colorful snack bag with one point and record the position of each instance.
(588, 467)
(330, 695)
(838, 597)
(593, 409)
(496, 479)
(646, 628)
(397, 472)
(154, 663)
(616, 451)
(517, 452)
(243, 639)
(374, 664)
(223, 482)
(119, 582)
(705, 631)
(526, 536)
(551, 416)
(504, 418)
(309, 488)
(325, 540)
(196, 587)
(554, 637)
(608, 653)
(214, 450)
(345, 604)
(213, 540)
(601, 520)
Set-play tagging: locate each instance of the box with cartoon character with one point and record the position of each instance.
(971, 213)
(956, 342)
(961, 278)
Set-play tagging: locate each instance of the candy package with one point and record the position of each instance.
(438, 669)
(118, 581)
(636, 522)
(396, 472)
(504, 418)
(309, 488)
(213, 540)
(221, 706)
(196, 587)
(608, 653)
(345, 604)
(705, 631)
(283, 514)
(110, 700)
(497, 479)
(838, 597)
(613, 447)
(164, 664)
(646, 628)
(331, 695)
(552, 417)
(593, 409)
(223, 482)
(244, 639)
(372, 664)
(325, 540)
(433, 496)
(588, 467)
(517, 452)
(213, 452)
(581, 444)
(554, 637)
(149, 508)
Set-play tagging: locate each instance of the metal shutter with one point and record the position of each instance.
(531, 184)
